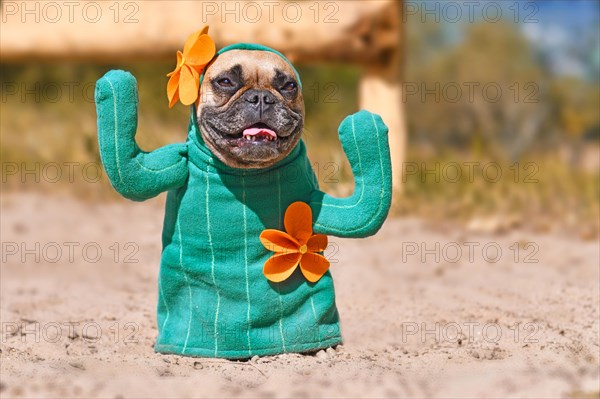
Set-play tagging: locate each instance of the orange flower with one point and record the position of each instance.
(296, 247)
(184, 81)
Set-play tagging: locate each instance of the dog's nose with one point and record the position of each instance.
(259, 97)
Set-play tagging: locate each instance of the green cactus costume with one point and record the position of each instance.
(214, 300)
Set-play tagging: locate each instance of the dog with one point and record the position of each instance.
(243, 166)
(252, 111)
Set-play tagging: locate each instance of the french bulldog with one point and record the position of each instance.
(251, 112)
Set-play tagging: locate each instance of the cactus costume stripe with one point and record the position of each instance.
(214, 299)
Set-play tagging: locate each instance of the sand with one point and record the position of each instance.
(79, 321)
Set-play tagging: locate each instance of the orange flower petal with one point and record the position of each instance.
(178, 66)
(193, 38)
(174, 100)
(298, 221)
(313, 266)
(188, 85)
(198, 51)
(280, 266)
(278, 241)
(172, 92)
(317, 243)
(201, 52)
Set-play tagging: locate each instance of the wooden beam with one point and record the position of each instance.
(155, 29)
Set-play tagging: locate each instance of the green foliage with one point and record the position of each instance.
(537, 118)
(490, 91)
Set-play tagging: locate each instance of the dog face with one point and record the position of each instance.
(251, 110)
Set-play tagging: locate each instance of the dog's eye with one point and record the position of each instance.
(225, 82)
(289, 86)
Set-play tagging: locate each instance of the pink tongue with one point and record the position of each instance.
(253, 131)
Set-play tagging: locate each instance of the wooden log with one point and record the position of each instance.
(109, 31)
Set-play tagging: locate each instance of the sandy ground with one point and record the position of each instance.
(77, 322)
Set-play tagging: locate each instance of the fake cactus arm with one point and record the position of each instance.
(135, 174)
(364, 139)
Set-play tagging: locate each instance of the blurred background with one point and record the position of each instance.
(493, 106)
(493, 110)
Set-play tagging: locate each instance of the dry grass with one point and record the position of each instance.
(546, 194)
(540, 193)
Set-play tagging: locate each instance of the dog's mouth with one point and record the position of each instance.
(259, 132)
(251, 144)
